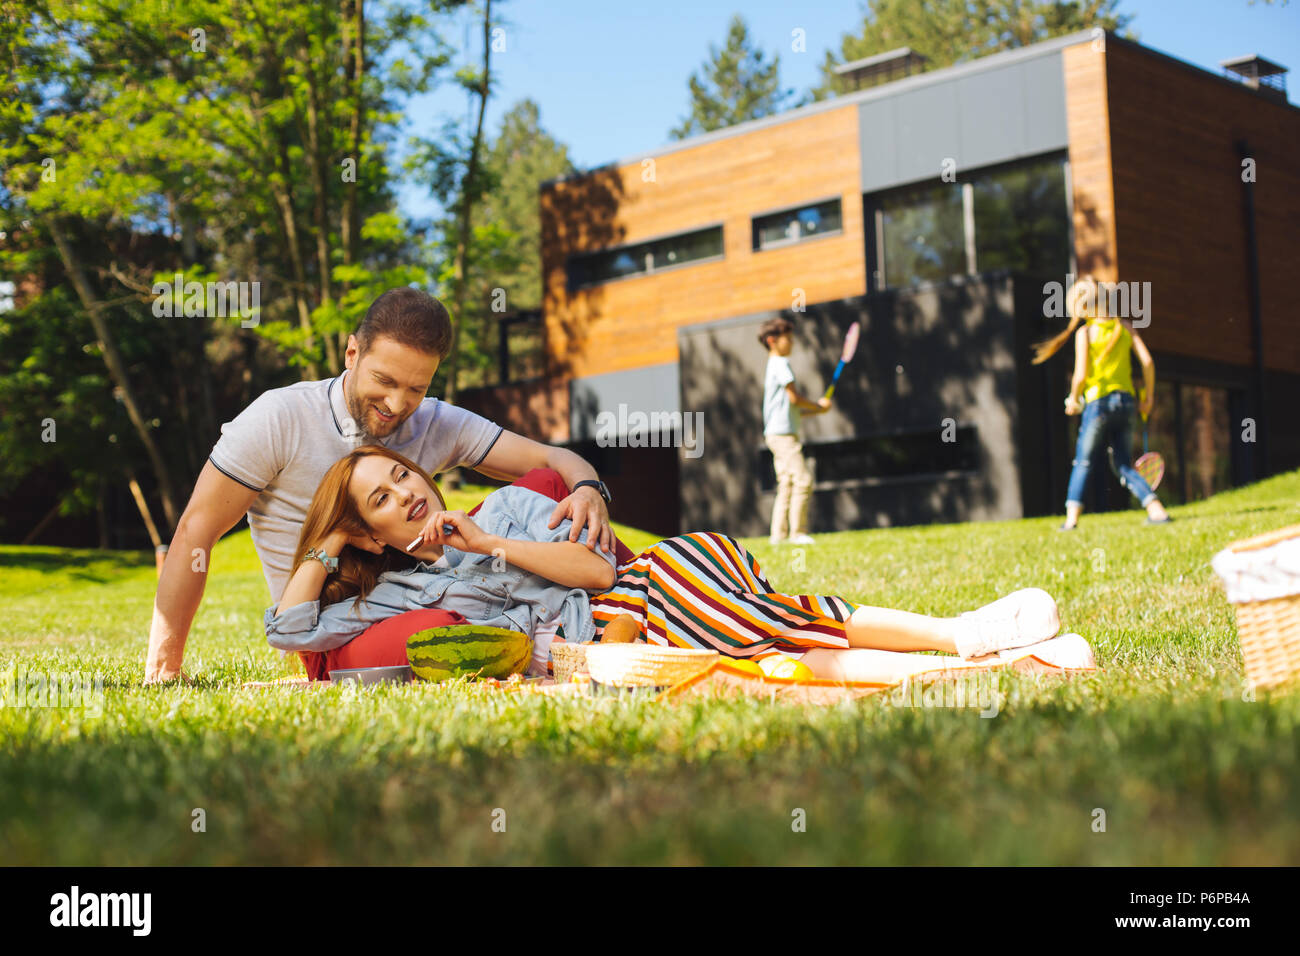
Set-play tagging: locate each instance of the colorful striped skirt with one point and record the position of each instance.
(704, 590)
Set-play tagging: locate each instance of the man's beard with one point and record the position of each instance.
(360, 425)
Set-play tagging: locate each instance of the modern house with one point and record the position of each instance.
(937, 209)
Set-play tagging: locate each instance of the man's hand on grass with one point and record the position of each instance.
(163, 675)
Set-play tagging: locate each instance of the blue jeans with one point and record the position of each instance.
(1107, 421)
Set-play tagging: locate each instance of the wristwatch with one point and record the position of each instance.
(331, 564)
(599, 486)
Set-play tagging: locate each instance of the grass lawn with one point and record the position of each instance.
(1188, 765)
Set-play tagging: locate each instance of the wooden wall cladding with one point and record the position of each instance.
(632, 322)
(1090, 161)
(1180, 222)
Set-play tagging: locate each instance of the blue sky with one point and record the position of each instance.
(610, 75)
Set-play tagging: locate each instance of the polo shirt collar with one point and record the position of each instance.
(339, 403)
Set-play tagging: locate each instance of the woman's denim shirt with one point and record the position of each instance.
(482, 587)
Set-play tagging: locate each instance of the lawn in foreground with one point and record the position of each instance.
(1187, 764)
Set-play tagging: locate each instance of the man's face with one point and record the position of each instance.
(386, 385)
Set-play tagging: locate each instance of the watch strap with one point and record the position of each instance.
(598, 485)
(316, 554)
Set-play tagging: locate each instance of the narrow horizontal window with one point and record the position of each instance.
(794, 225)
(644, 258)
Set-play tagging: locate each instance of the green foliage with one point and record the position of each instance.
(736, 83)
(954, 31)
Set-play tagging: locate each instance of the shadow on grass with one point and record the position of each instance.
(76, 563)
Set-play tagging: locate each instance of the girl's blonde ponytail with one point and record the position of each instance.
(1080, 301)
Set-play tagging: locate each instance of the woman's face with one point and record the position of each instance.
(394, 502)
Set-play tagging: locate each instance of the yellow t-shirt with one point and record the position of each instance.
(1108, 370)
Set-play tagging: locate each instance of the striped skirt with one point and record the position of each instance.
(704, 590)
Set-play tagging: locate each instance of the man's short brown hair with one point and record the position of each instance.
(772, 328)
(409, 317)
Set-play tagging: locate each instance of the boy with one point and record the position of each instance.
(781, 405)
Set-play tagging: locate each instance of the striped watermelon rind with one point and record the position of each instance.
(460, 650)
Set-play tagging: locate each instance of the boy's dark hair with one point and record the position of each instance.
(409, 317)
(772, 328)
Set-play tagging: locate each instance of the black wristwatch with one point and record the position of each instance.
(600, 489)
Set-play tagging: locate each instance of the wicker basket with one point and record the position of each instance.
(1269, 629)
(566, 659)
(645, 665)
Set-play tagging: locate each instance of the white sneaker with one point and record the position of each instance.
(1069, 651)
(802, 539)
(775, 541)
(1027, 616)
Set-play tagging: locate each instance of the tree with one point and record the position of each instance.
(452, 166)
(736, 83)
(953, 31)
(240, 141)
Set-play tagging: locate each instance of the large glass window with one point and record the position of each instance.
(1021, 219)
(792, 225)
(645, 257)
(1007, 217)
(924, 238)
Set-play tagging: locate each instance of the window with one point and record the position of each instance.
(1020, 219)
(924, 235)
(1010, 217)
(793, 225)
(645, 257)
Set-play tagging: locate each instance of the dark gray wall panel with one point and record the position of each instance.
(978, 117)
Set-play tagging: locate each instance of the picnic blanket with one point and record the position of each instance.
(724, 679)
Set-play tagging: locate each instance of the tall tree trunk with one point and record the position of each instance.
(116, 367)
(316, 159)
(354, 39)
(466, 208)
(284, 202)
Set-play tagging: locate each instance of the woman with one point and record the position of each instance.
(506, 568)
(1103, 373)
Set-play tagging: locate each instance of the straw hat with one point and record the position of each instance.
(645, 665)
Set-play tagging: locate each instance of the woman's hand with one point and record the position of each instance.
(454, 529)
(336, 539)
(1072, 406)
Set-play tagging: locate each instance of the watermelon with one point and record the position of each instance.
(459, 650)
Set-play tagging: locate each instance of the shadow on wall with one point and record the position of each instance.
(936, 370)
(577, 216)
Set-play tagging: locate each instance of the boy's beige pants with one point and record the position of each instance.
(794, 483)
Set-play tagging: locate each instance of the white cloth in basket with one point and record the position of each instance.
(1260, 575)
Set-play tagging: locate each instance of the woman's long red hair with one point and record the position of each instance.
(333, 509)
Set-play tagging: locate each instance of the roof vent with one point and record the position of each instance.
(881, 68)
(1259, 74)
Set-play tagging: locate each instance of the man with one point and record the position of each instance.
(271, 458)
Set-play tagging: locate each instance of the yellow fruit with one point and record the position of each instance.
(746, 665)
(779, 665)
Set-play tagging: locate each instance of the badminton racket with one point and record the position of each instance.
(846, 355)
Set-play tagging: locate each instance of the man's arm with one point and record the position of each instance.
(217, 503)
(512, 455)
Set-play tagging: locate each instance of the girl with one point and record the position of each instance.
(506, 568)
(1104, 375)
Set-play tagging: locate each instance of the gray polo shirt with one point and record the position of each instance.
(283, 443)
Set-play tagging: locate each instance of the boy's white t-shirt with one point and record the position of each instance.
(283, 443)
(780, 417)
